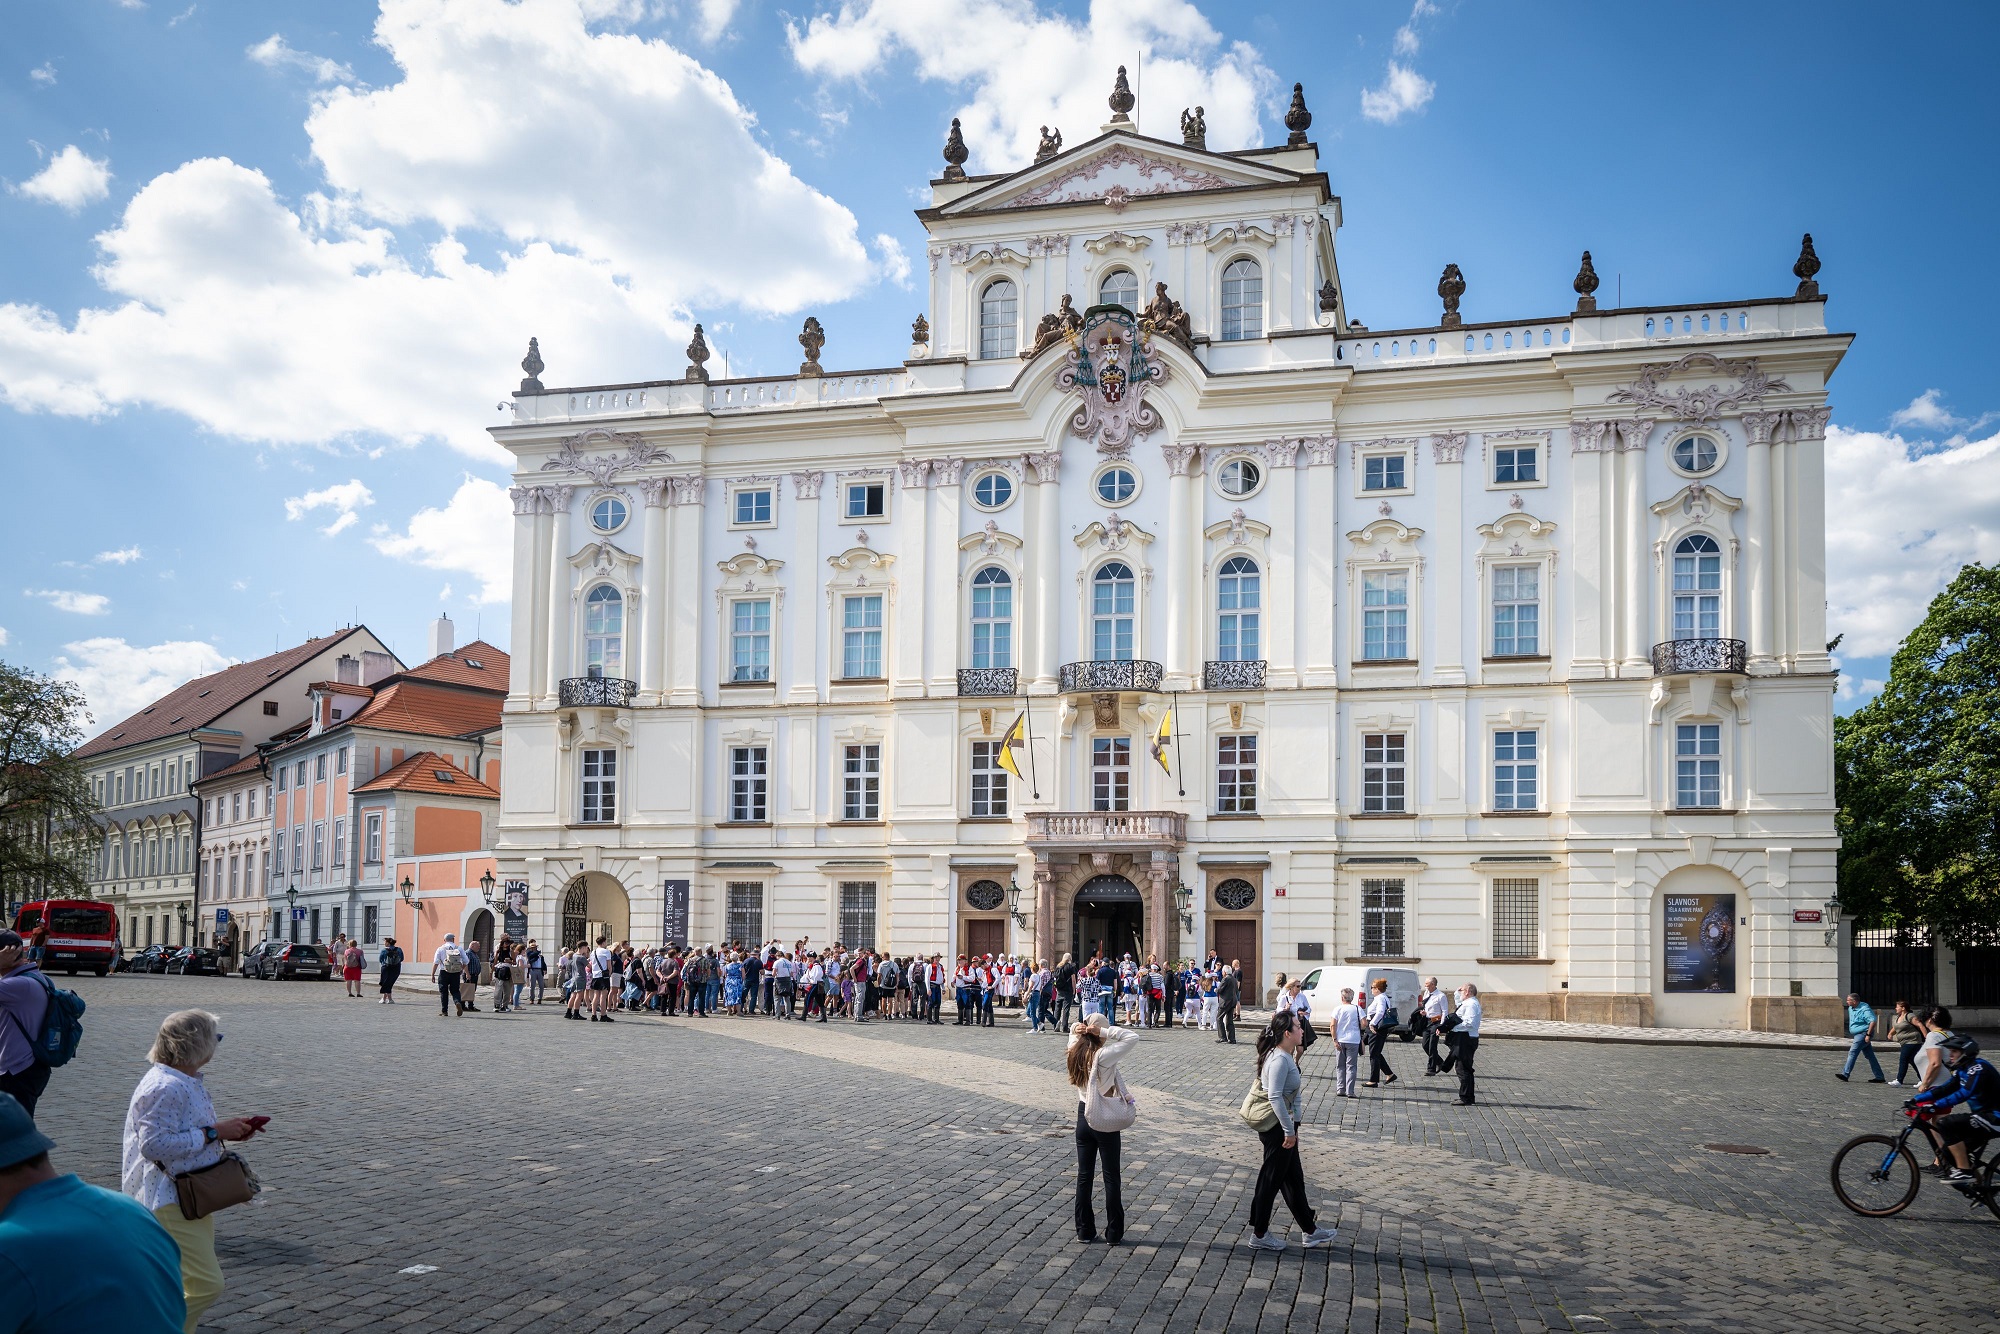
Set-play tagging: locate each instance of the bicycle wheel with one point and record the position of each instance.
(1875, 1175)
(1989, 1187)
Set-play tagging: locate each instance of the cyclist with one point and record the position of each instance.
(1977, 1085)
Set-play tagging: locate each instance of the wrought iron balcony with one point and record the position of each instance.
(603, 692)
(1244, 674)
(1107, 829)
(1086, 678)
(1678, 656)
(987, 680)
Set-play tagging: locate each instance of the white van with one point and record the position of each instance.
(1323, 986)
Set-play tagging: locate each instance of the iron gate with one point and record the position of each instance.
(1979, 975)
(1895, 964)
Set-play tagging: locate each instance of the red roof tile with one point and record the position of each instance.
(458, 668)
(430, 710)
(429, 772)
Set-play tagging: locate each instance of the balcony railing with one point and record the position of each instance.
(603, 692)
(1084, 678)
(1247, 674)
(987, 680)
(1678, 656)
(1107, 828)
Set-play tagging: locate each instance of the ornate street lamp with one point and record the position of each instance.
(408, 889)
(1014, 902)
(1184, 903)
(1832, 921)
(486, 888)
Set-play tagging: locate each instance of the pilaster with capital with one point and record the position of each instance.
(1281, 459)
(1806, 460)
(1042, 565)
(1634, 551)
(940, 615)
(1760, 555)
(653, 608)
(907, 614)
(1181, 533)
(684, 639)
(1591, 512)
(1318, 561)
(528, 561)
(1448, 453)
(560, 607)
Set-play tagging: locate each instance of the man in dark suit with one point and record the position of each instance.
(1227, 997)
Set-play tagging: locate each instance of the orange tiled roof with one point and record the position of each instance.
(430, 709)
(421, 773)
(457, 668)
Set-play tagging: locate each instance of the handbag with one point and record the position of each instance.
(1108, 1110)
(1307, 1034)
(206, 1189)
(1256, 1111)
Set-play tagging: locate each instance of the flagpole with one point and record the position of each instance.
(1028, 717)
(1180, 772)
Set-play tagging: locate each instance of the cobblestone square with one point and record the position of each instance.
(749, 1174)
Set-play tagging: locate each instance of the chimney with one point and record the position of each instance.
(347, 669)
(375, 666)
(442, 638)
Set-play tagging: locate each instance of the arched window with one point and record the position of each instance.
(999, 306)
(1697, 588)
(603, 632)
(1111, 609)
(575, 915)
(1238, 599)
(1120, 288)
(1242, 300)
(992, 618)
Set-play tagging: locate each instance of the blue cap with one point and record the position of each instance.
(19, 1140)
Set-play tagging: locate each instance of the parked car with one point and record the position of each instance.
(279, 959)
(1323, 986)
(152, 959)
(199, 960)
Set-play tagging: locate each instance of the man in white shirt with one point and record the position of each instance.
(784, 973)
(447, 967)
(815, 985)
(1347, 1038)
(1433, 1005)
(1464, 1039)
(600, 982)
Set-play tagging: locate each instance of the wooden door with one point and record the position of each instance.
(1238, 940)
(985, 937)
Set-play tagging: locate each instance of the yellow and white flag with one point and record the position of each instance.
(1013, 741)
(1164, 738)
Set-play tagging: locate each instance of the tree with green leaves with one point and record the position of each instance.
(1917, 775)
(48, 819)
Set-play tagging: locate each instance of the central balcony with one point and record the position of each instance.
(1106, 830)
(987, 681)
(1242, 674)
(1089, 678)
(1679, 657)
(601, 692)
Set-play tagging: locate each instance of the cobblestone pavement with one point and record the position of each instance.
(747, 1174)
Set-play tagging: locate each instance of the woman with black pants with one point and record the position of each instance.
(1278, 1072)
(1094, 1050)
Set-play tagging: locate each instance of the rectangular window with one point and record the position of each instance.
(1111, 773)
(1517, 926)
(251, 804)
(861, 636)
(1382, 919)
(340, 760)
(319, 768)
(1516, 761)
(298, 847)
(600, 786)
(235, 871)
(1382, 472)
(1698, 765)
(745, 921)
(861, 782)
(753, 505)
(336, 921)
(319, 846)
(750, 640)
(236, 807)
(749, 779)
(867, 500)
(1236, 775)
(371, 847)
(989, 780)
(1385, 615)
(371, 923)
(1517, 611)
(1383, 776)
(857, 914)
(1514, 464)
(281, 778)
(264, 878)
(340, 842)
(279, 848)
(299, 778)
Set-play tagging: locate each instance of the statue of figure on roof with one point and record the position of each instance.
(1050, 146)
(1053, 328)
(1164, 316)
(1194, 128)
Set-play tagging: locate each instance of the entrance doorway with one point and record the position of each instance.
(1110, 915)
(481, 930)
(1238, 940)
(985, 936)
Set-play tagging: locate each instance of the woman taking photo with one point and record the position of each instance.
(1094, 1051)
(1278, 1079)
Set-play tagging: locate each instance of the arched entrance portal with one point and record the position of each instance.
(1108, 914)
(480, 928)
(593, 905)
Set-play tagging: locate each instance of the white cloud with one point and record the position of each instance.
(893, 263)
(181, 17)
(1926, 412)
(274, 52)
(714, 17)
(3, 636)
(66, 599)
(473, 534)
(1403, 90)
(70, 180)
(119, 679)
(122, 556)
(1027, 69)
(1407, 41)
(1902, 518)
(44, 74)
(343, 499)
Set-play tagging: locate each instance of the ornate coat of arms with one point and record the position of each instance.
(1111, 367)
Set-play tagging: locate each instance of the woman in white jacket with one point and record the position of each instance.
(1094, 1051)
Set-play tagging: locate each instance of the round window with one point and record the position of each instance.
(608, 515)
(1696, 455)
(992, 490)
(1235, 895)
(984, 895)
(1239, 477)
(1117, 485)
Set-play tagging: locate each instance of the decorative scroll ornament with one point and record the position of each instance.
(602, 468)
(1111, 369)
(1708, 403)
(1160, 176)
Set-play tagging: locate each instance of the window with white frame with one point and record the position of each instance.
(278, 848)
(1111, 773)
(340, 842)
(1516, 465)
(857, 914)
(600, 786)
(1119, 288)
(339, 767)
(1517, 919)
(1385, 472)
(749, 780)
(1698, 766)
(1384, 773)
(750, 639)
(999, 313)
(1517, 611)
(744, 919)
(298, 847)
(861, 636)
(1697, 588)
(1236, 775)
(1238, 600)
(603, 632)
(861, 782)
(866, 500)
(319, 846)
(992, 618)
(319, 767)
(371, 831)
(751, 506)
(1382, 919)
(235, 875)
(1516, 770)
(1112, 603)
(1242, 301)
(992, 490)
(989, 780)
(371, 923)
(1239, 478)
(1385, 615)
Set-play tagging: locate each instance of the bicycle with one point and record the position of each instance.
(1877, 1176)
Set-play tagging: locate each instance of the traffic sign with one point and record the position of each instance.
(298, 914)
(221, 916)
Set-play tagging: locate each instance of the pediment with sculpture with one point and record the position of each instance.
(1115, 175)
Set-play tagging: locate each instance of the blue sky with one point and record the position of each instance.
(268, 268)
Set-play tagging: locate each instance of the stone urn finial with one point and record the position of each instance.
(1451, 287)
(920, 331)
(532, 364)
(1329, 297)
(1122, 100)
(955, 153)
(1805, 269)
(1586, 286)
(1297, 119)
(697, 355)
(812, 338)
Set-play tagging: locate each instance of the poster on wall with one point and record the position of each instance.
(1701, 942)
(674, 927)
(515, 913)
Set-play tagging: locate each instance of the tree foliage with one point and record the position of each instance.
(1917, 774)
(47, 815)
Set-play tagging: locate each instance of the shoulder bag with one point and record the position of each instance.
(1256, 1111)
(1107, 1107)
(206, 1189)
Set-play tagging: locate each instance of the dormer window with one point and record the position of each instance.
(1120, 288)
(1242, 301)
(999, 312)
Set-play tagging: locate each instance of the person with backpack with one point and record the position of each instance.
(389, 966)
(447, 968)
(538, 973)
(38, 1024)
(1381, 1020)
(469, 982)
(1272, 1110)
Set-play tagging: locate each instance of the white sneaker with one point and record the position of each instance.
(1321, 1236)
(1270, 1241)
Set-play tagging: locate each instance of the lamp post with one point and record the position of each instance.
(291, 907)
(1014, 902)
(486, 888)
(1184, 904)
(181, 910)
(408, 889)
(1832, 921)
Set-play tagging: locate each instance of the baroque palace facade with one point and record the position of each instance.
(1496, 650)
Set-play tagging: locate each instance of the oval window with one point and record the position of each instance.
(992, 490)
(1695, 455)
(1115, 486)
(608, 515)
(1239, 477)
